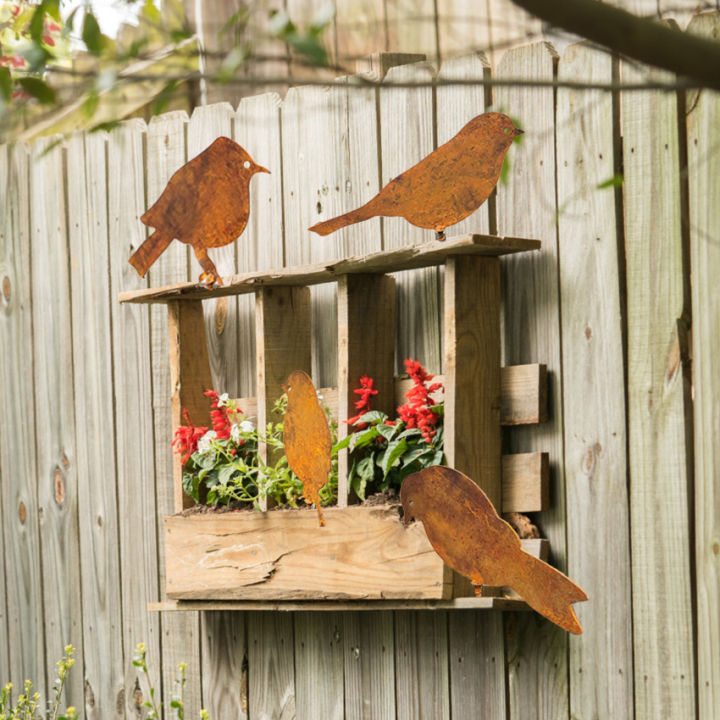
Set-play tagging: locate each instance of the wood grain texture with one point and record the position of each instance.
(404, 144)
(134, 442)
(92, 372)
(595, 428)
(362, 552)
(271, 644)
(703, 176)
(225, 665)
(525, 482)
(22, 587)
(412, 27)
(257, 128)
(659, 405)
(180, 638)
(54, 412)
(537, 654)
(4, 642)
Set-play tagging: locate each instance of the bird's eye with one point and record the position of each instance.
(412, 502)
(246, 164)
(507, 131)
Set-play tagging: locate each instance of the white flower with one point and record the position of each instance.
(205, 440)
(235, 433)
(246, 426)
(223, 400)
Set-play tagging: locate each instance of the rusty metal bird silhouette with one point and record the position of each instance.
(446, 186)
(206, 204)
(468, 534)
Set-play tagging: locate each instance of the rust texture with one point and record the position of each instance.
(446, 186)
(306, 434)
(468, 534)
(206, 204)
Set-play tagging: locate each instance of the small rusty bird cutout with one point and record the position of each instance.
(306, 434)
(206, 204)
(468, 534)
(446, 186)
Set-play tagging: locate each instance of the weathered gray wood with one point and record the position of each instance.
(319, 689)
(421, 665)
(180, 639)
(412, 27)
(704, 223)
(271, 691)
(54, 412)
(537, 653)
(257, 129)
(659, 405)
(595, 429)
(4, 629)
(22, 587)
(404, 144)
(132, 374)
(95, 454)
(225, 665)
(369, 657)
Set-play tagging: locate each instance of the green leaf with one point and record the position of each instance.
(614, 181)
(392, 455)
(363, 438)
(418, 453)
(372, 416)
(91, 35)
(90, 104)
(52, 8)
(342, 444)
(38, 89)
(37, 23)
(387, 431)
(150, 12)
(5, 84)
(366, 468)
(69, 24)
(225, 474)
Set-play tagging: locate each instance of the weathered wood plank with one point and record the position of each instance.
(132, 374)
(225, 665)
(525, 482)
(595, 428)
(54, 404)
(180, 640)
(404, 144)
(403, 258)
(659, 404)
(271, 644)
(412, 27)
(257, 129)
(319, 655)
(19, 491)
(94, 392)
(704, 185)
(4, 647)
(536, 652)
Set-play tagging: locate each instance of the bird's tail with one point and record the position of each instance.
(149, 251)
(548, 591)
(365, 212)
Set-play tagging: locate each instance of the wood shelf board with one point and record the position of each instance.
(467, 603)
(407, 258)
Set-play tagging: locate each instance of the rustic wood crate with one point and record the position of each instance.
(363, 553)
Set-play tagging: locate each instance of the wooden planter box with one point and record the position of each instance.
(363, 552)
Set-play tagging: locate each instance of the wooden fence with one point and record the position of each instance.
(630, 343)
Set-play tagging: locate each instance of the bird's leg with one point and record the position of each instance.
(209, 276)
(440, 235)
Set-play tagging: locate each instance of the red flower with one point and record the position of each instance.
(416, 412)
(186, 438)
(365, 391)
(219, 416)
(48, 40)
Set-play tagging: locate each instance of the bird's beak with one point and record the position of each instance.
(260, 168)
(518, 131)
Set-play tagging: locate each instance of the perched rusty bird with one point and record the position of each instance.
(306, 434)
(445, 187)
(468, 534)
(206, 204)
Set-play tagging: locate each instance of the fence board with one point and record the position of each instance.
(593, 369)
(4, 628)
(271, 661)
(54, 412)
(180, 639)
(257, 129)
(95, 454)
(224, 653)
(18, 491)
(658, 407)
(412, 26)
(319, 665)
(133, 405)
(537, 652)
(404, 144)
(704, 185)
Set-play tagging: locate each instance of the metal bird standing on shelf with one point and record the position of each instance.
(446, 186)
(206, 204)
(468, 534)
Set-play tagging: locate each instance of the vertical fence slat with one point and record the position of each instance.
(704, 189)
(658, 405)
(180, 641)
(412, 26)
(271, 666)
(18, 491)
(593, 369)
(134, 440)
(257, 129)
(536, 651)
(54, 412)
(94, 391)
